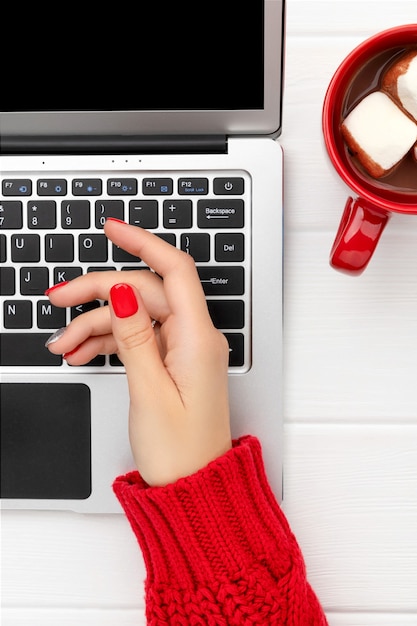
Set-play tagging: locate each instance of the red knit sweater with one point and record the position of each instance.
(217, 547)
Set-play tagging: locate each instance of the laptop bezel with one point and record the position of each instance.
(266, 121)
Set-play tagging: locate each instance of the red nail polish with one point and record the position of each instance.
(67, 354)
(123, 300)
(48, 291)
(114, 219)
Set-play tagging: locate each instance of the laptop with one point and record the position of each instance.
(168, 119)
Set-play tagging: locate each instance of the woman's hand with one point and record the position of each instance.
(176, 368)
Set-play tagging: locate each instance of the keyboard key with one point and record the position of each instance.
(115, 361)
(75, 214)
(99, 360)
(26, 349)
(86, 187)
(198, 245)
(222, 281)
(168, 237)
(92, 248)
(121, 256)
(52, 187)
(11, 215)
(63, 274)
(83, 308)
(7, 281)
(229, 247)
(17, 314)
(42, 214)
(143, 213)
(227, 313)
(59, 248)
(220, 213)
(16, 187)
(177, 213)
(50, 316)
(157, 186)
(122, 186)
(108, 208)
(34, 281)
(236, 349)
(3, 248)
(193, 186)
(25, 248)
(227, 186)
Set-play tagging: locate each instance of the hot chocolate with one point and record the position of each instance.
(370, 79)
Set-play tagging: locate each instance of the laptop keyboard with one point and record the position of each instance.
(51, 230)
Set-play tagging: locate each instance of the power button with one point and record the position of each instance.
(234, 186)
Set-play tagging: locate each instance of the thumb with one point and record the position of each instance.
(135, 338)
(151, 390)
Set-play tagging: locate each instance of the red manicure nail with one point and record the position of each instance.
(48, 291)
(123, 300)
(67, 354)
(114, 219)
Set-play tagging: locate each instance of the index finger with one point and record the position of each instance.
(182, 285)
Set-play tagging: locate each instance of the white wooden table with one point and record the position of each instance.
(350, 395)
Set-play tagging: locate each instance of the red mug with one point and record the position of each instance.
(365, 216)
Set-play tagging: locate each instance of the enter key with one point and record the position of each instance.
(222, 280)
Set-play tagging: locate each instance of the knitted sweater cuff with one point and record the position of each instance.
(208, 527)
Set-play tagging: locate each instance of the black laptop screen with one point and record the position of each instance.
(166, 56)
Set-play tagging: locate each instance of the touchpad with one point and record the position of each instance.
(45, 440)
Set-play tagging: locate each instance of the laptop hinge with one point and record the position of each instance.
(113, 144)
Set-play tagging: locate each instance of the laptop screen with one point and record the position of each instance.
(213, 69)
(167, 58)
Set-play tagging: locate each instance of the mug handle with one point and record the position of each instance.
(359, 231)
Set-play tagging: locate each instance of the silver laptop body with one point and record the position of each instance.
(207, 177)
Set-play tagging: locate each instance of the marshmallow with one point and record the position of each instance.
(379, 133)
(400, 81)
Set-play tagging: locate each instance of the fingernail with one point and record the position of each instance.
(56, 335)
(123, 300)
(48, 291)
(67, 354)
(114, 219)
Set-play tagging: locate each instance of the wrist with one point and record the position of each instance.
(202, 521)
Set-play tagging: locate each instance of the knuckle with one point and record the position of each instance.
(222, 346)
(185, 261)
(216, 347)
(134, 337)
